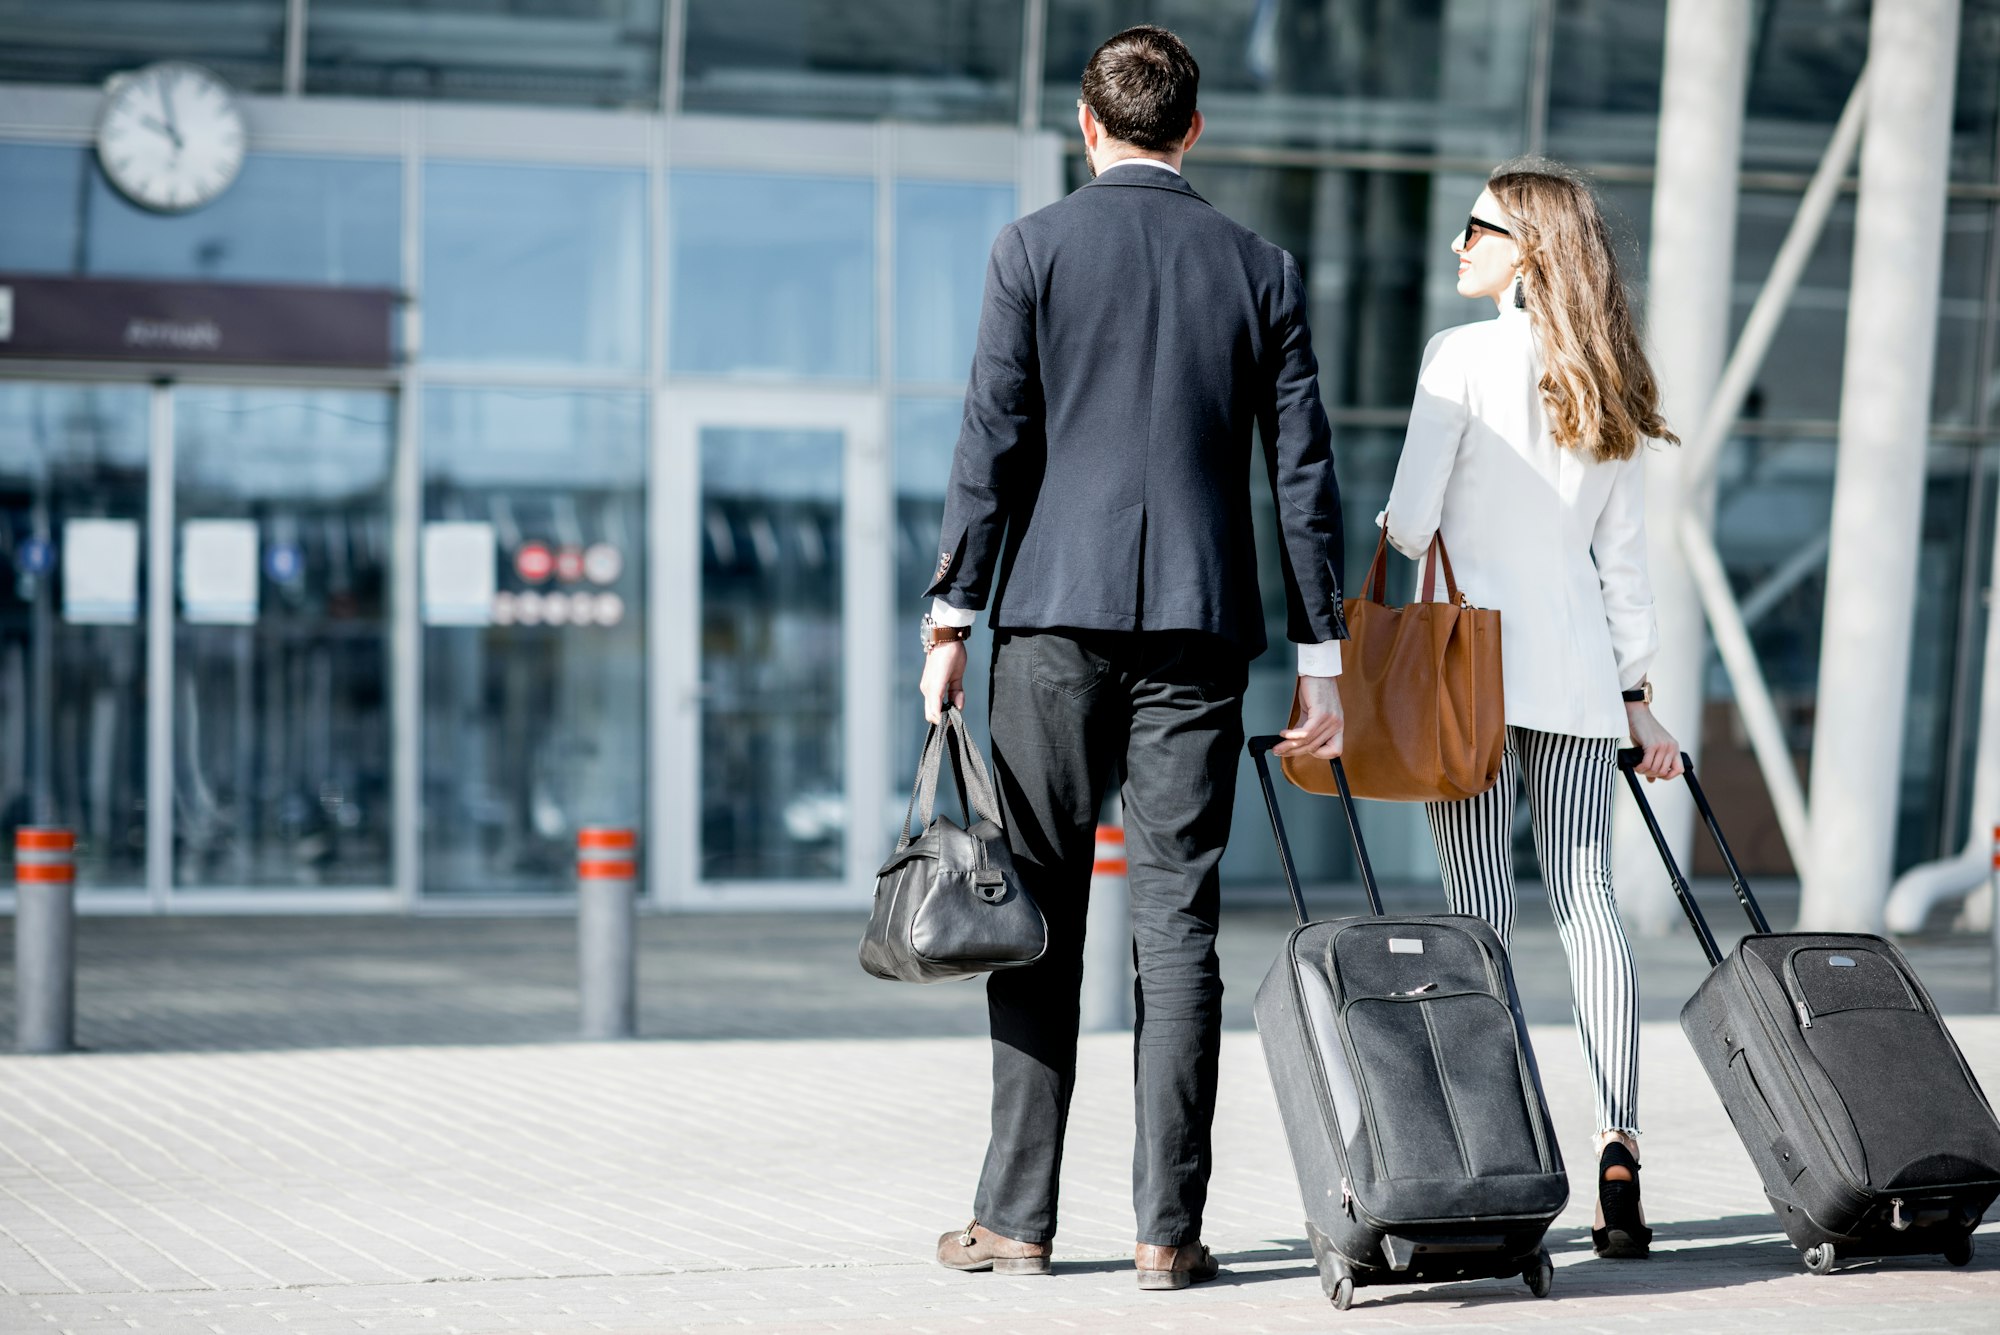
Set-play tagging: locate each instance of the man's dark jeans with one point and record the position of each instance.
(1071, 710)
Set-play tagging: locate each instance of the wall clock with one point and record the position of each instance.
(170, 137)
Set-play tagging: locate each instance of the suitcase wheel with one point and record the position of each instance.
(1540, 1274)
(1820, 1259)
(1959, 1251)
(1343, 1293)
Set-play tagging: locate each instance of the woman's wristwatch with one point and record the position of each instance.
(1642, 694)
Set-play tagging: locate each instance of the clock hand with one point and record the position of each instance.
(154, 123)
(172, 126)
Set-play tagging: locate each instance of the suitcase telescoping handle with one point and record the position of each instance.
(1628, 761)
(1260, 748)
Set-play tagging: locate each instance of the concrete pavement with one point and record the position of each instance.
(485, 1178)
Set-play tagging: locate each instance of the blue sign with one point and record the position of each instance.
(284, 562)
(35, 556)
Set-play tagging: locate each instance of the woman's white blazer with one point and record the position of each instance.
(1552, 538)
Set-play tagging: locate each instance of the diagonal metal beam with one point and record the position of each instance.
(1768, 311)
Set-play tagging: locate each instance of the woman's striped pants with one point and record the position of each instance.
(1569, 782)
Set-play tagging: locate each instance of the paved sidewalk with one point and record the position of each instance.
(378, 1125)
(779, 1186)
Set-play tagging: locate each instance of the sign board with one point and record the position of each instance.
(458, 573)
(219, 572)
(100, 572)
(159, 321)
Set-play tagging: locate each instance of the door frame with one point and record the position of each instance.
(674, 634)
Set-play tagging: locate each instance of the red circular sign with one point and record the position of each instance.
(533, 562)
(569, 564)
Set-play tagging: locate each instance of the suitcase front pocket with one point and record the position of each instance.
(1849, 978)
(1442, 1076)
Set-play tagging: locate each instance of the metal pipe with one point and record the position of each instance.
(1753, 694)
(1878, 495)
(1704, 449)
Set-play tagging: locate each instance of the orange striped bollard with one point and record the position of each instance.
(1107, 935)
(44, 938)
(607, 887)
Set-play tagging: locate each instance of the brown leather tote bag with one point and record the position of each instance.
(1421, 688)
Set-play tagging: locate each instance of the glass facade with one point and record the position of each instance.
(635, 529)
(944, 60)
(534, 660)
(73, 462)
(88, 41)
(571, 242)
(773, 275)
(281, 638)
(571, 52)
(289, 218)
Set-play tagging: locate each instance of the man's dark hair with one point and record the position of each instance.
(1141, 87)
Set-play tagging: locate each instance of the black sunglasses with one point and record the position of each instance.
(1474, 225)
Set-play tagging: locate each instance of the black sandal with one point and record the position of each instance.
(1623, 1237)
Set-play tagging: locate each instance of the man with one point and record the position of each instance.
(1130, 339)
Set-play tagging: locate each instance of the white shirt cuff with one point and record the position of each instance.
(945, 614)
(1320, 660)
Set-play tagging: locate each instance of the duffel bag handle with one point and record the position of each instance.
(968, 772)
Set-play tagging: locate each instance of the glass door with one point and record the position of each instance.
(280, 767)
(74, 461)
(776, 592)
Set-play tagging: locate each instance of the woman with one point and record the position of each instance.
(1525, 450)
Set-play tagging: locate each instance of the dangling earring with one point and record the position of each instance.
(1520, 294)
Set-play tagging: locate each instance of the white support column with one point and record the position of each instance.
(1878, 492)
(1687, 322)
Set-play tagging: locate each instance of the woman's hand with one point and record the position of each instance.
(1663, 754)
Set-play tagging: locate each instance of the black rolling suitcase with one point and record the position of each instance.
(1409, 1093)
(1867, 1127)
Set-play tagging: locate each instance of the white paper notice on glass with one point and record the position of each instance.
(458, 573)
(219, 571)
(100, 571)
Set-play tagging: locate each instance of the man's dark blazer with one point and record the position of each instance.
(1130, 338)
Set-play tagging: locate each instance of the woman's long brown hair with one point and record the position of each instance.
(1597, 385)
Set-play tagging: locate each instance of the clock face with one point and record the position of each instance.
(170, 137)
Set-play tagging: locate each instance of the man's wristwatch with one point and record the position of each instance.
(1642, 694)
(932, 634)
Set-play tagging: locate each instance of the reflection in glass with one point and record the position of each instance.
(87, 41)
(534, 265)
(287, 219)
(926, 433)
(920, 60)
(773, 275)
(534, 719)
(1358, 237)
(72, 622)
(773, 791)
(1416, 76)
(1604, 100)
(1801, 375)
(581, 52)
(281, 671)
(944, 232)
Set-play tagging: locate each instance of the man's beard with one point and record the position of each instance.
(1090, 163)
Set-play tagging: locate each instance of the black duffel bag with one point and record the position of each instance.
(948, 903)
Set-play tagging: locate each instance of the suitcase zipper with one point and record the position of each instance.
(1350, 1200)
(1855, 1190)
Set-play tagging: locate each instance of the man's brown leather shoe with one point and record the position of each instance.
(978, 1248)
(1174, 1267)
